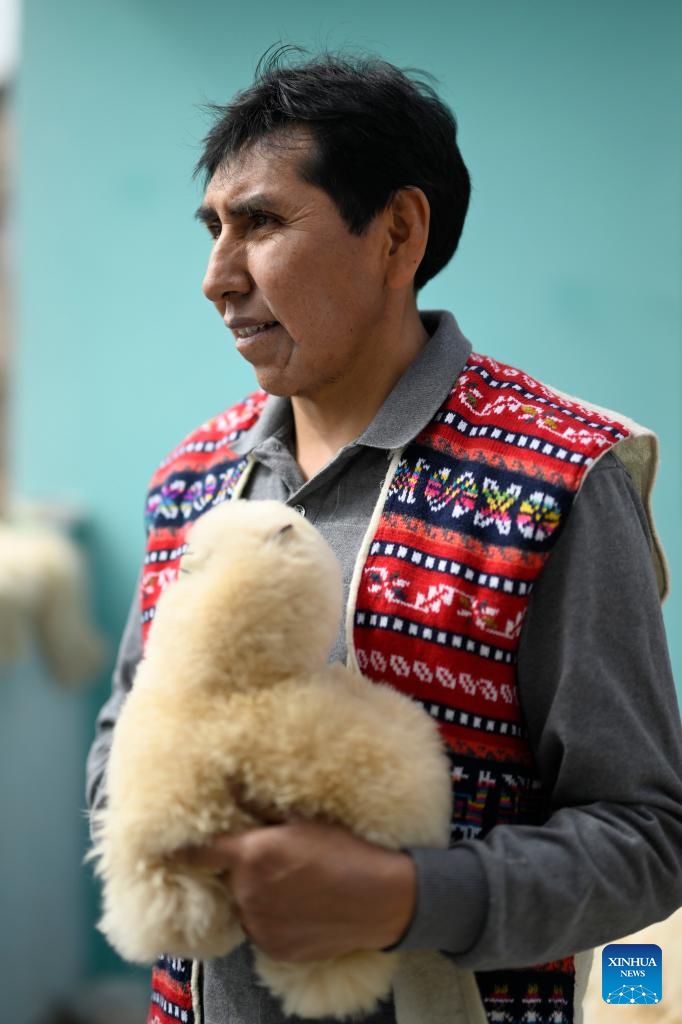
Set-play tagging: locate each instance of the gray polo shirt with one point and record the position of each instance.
(595, 686)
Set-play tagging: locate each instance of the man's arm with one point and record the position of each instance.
(129, 654)
(599, 701)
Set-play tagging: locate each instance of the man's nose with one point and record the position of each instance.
(226, 272)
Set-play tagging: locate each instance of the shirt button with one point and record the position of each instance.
(300, 509)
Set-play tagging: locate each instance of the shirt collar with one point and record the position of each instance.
(276, 418)
(412, 403)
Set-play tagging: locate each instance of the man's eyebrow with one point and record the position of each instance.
(206, 214)
(255, 203)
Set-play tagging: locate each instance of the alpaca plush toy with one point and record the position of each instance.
(235, 695)
(43, 599)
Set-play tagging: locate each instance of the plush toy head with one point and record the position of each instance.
(284, 625)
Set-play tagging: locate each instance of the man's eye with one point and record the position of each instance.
(214, 229)
(261, 220)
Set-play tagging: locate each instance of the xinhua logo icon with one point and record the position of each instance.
(631, 973)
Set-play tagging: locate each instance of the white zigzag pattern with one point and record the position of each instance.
(484, 615)
(524, 410)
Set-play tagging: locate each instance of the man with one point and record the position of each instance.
(443, 481)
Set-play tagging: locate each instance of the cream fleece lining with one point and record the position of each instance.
(639, 453)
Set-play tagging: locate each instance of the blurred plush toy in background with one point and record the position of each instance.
(235, 695)
(43, 600)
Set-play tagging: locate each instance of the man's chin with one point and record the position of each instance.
(274, 384)
(280, 385)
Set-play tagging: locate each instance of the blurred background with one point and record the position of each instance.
(570, 266)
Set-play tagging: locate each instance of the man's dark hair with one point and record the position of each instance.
(376, 130)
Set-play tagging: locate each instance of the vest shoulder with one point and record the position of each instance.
(516, 407)
(519, 387)
(218, 432)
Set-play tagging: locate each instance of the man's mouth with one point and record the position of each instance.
(249, 332)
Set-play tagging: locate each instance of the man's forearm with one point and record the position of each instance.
(535, 893)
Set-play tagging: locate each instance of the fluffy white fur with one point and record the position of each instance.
(235, 694)
(43, 599)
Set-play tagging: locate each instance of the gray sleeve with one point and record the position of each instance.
(597, 692)
(129, 655)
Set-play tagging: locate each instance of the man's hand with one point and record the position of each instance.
(307, 890)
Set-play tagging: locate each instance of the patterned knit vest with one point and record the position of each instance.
(468, 515)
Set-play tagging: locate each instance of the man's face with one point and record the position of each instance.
(304, 298)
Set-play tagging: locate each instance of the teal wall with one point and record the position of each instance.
(570, 264)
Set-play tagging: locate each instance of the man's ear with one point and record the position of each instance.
(407, 221)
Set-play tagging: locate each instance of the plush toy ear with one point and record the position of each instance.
(282, 533)
(191, 560)
(185, 562)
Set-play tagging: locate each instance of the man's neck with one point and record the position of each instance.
(326, 421)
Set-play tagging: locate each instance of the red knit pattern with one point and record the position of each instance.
(200, 472)
(471, 517)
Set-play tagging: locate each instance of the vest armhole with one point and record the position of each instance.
(351, 661)
(638, 453)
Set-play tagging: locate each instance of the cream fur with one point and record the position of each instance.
(235, 690)
(43, 600)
